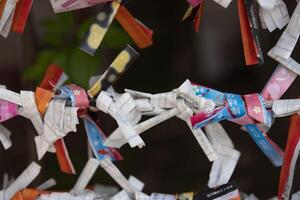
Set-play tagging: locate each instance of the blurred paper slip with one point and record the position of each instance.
(21, 15)
(273, 14)
(268, 4)
(7, 13)
(224, 3)
(89, 195)
(105, 191)
(286, 107)
(10, 96)
(289, 38)
(139, 33)
(289, 62)
(224, 166)
(85, 176)
(68, 5)
(120, 64)
(217, 135)
(251, 197)
(137, 186)
(7, 181)
(122, 195)
(47, 184)
(94, 36)
(281, 79)
(204, 143)
(8, 110)
(27, 176)
(158, 196)
(5, 137)
(291, 157)
(8, 24)
(115, 173)
(141, 196)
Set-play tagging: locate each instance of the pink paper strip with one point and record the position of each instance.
(280, 81)
(8, 110)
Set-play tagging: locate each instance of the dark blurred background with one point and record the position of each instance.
(172, 160)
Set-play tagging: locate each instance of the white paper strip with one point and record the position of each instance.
(267, 4)
(223, 168)
(58, 122)
(224, 3)
(47, 184)
(217, 135)
(287, 107)
(7, 26)
(275, 17)
(8, 9)
(204, 143)
(106, 104)
(85, 176)
(289, 38)
(10, 96)
(5, 137)
(158, 196)
(122, 195)
(289, 63)
(117, 139)
(27, 176)
(115, 173)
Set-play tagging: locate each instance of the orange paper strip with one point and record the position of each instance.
(250, 51)
(140, 34)
(28, 194)
(42, 98)
(2, 6)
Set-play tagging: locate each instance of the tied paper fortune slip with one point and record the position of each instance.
(68, 5)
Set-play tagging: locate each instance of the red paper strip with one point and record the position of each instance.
(140, 34)
(250, 50)
(21, 15)
(51, 78)
(290, 159)
(63, 157)
(254, 107)
(197, 19)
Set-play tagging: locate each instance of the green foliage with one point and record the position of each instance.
(62, 35)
